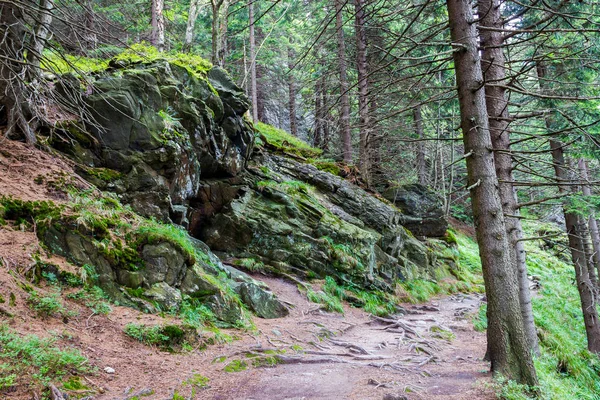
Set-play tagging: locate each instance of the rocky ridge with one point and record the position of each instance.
(174, 145)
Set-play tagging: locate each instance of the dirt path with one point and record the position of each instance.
(433, 354)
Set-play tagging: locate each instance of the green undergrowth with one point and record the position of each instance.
(36, 362)
(566, 369)
(285, 142)
(167, 337)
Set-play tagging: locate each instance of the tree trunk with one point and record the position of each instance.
(38, 40)
(421, 165)
(158, 24)
(223, 26)
(292, 94)
(325, 114)
(252, 62)
(593, 225)
(318, 127)
(363, 91)
(493, 63)
(508, 349)
(214, 30)
(582, 276)
(345, 135)
(12, 89)
(191, 23)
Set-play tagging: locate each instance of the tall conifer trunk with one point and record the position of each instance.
(493, 63)
(344, 87)
(508, 348)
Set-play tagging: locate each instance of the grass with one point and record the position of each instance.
(163, 336)
(566, 370)
(36, 362)
(46, 306)
(94, 298)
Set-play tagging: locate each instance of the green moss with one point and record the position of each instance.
(285, 142)
(29, 212)
(142, 52)
(62, 63)
(236, 366)
(104, 174)
(327, 166)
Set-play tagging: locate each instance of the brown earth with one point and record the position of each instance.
(432, 353)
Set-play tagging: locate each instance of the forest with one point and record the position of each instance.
(177, 176)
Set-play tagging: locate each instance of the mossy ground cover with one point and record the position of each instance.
(36, 362)
(285, 142)
(60, 63)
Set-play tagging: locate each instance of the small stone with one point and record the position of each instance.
(391, 396)
(109, 370)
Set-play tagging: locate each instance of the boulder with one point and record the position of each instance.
(261, 302)
(422, 209)
(162, 128)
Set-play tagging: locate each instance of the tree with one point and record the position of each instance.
(493, 63)
(191, 23)
(364, 124)
(158, 24)
(253, 90)
(292, 93)
(345, 135)
(507, 345)
(421, 165)
(573, 224)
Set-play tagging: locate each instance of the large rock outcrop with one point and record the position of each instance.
(175, 145)
(300, 220)
(160, 274)
(159, 128)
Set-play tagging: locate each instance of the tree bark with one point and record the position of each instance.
(582, 276)
(508, 349)
(345, 134)
(593, 225)
(325, 114)
(493, 63)
(158, 24)
(223, 26)
(363, 91)
(318, 126)
(38, 39)
(191, 23)
(13, 72)
(420, 161)
(292, 94)
(253, 90)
